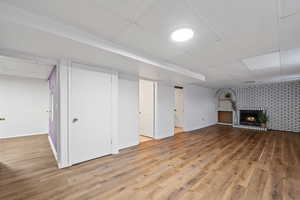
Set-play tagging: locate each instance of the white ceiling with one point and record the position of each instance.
(24, 68)
(226, 32)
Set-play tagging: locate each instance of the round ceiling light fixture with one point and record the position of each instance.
(182, 35)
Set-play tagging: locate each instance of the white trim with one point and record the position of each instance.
(52, 147)
(124, 146)
(164, 137)
(155, 114)
(199, 127)
(227, 124)
(63, 73)
(57, 113)
(250, 127)
(70, 68)
(115, 112)
(25, 135)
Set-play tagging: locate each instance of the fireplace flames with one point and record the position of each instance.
(251, 119)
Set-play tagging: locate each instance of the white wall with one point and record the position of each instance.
(200, 107)
(23, 103)
(164, 111)
(128, 113)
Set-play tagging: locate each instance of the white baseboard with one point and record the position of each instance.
(24, 135)
(250, 127)
(199, 127)
(164, 136)
(226, 124)
(128, 145)
(52, 148)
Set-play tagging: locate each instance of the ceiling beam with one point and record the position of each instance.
(42, 23)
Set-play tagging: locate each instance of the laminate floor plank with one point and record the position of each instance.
(218, 162)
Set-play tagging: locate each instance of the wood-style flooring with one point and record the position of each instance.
(178, 130)
(218, 162)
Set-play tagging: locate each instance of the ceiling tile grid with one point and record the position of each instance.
(226, 32)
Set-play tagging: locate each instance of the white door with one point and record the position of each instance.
(90, 115)
(146, 105)
(51, 114)
(178, 107)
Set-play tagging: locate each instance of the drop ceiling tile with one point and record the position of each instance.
(184, 60)
(266, 72)
(127, 9)
(144, 42)
(90, 17)
(290, 62)
(211, 54)
(290, 71)
(236, 18)
(289, 7)
(166, 16)
(290, 58)
(289, 32)
(235, 67)
(261, 62)
(103, 24)
(234, 70)
(245, 27)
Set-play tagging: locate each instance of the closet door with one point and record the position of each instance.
(90, 115)
(146, 98)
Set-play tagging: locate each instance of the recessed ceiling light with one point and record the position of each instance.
(182, 35)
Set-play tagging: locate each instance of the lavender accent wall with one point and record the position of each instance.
(280, 100)
(53, 86)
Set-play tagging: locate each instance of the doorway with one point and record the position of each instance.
(28, 112)
(146, 110)
(179, 110)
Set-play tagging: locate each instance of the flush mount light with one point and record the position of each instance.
(182, 35)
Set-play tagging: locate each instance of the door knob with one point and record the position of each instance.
(74, 120)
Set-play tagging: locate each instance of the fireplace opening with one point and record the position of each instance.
(250, 117)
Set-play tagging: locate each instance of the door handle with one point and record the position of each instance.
(74, 120)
